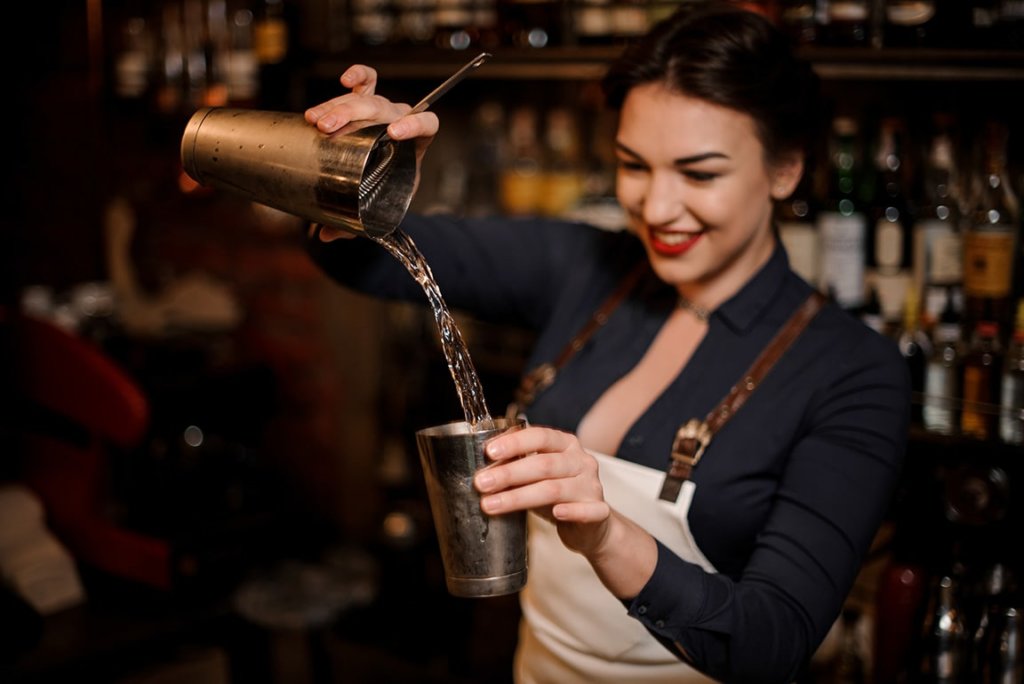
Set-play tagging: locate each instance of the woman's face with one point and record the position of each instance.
(693, 179)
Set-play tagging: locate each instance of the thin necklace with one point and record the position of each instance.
(700, 312)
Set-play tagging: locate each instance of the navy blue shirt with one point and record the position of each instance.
(790, 492)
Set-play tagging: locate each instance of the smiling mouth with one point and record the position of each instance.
(672, 242)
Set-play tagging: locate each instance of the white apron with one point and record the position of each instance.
(573, 630)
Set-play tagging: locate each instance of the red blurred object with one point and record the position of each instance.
(898, 613)
(73, 381)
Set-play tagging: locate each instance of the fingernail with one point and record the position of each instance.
(327, 122)
(484, 481)
(396, 130)
(495, 450)
(491, 504)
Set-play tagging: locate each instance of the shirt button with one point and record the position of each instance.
(642, 610)
(659, 624)
(635, 440)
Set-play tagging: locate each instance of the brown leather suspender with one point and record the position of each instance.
(693, 437)
(543, 376)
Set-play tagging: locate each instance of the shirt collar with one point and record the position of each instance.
(747, 305)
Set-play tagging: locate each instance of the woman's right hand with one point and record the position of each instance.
(363, 105)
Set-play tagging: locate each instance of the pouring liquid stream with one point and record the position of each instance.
(401, 246)
(460, 365)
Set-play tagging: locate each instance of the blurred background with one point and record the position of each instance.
(209, 472)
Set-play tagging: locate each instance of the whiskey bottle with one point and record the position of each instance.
(916, 348)
(982, 366)
(991, 236)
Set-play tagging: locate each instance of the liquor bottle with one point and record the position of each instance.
(271, 33)
(889, 240)
(795, 218)
(983, 19)
(1009, 27)
(243, 76)
(482, 181)
(562, 175)
(799, 20)
(937, 241)
(485, 21)
(531, 23)
(945, 656)
(629, 20)
(872, 316)
(842, 223)
(1011, 403)
(981, 370)
(453, 25)
(847, 22)
(916, 348)
(521, 182)
(593, 22)
(374, 21)
(993, 602)
(413, 22)
(899, 603)
(134, 62)
(169, 87)
(910, 23)
(991, 236)
(943, 373)
(1003, 660)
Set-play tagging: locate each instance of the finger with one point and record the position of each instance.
(527, 441)
(330, 234)
(422, 125)
(581, 511)
(534, 468)
(340, 111)
(360, 79)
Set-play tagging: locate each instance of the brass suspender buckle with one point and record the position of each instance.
(692, 439)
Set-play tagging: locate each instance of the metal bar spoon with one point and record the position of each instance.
(369, 183)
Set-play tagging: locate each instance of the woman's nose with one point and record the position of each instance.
(663, 200)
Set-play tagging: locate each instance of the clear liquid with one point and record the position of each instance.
(460, 365)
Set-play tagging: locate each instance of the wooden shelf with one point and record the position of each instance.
(589, 63)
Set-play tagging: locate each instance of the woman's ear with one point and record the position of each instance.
(786, 174)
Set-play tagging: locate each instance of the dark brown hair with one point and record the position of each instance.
(731, 57)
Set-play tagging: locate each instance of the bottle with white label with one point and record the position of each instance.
(795, 217)
(937, 262)
(943, 372)
(889, 239)
(1011, 404)
(842, 222)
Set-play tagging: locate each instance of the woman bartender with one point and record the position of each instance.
(646, 567)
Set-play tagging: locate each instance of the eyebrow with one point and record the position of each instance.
(682, 161)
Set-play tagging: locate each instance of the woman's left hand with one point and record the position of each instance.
(548, 471)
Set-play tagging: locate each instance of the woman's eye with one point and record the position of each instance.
(699, 176)
(633, 166)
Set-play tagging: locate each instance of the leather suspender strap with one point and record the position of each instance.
(543, 376)
(695, 435)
